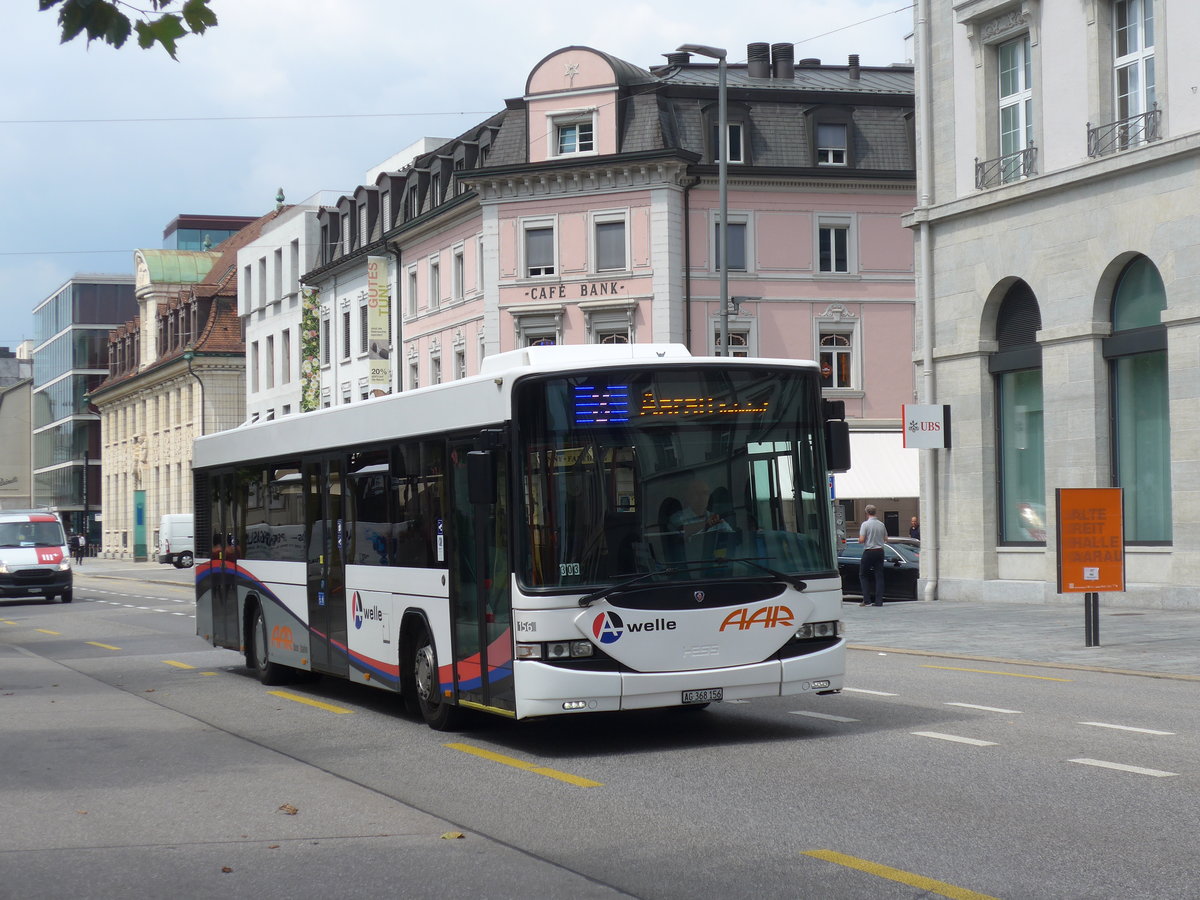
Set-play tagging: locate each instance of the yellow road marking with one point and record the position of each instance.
(307, 702)
(105, 646)
(940, 888)
(991, 672)
(7, 622)
(208, 673)
(527, 766)
(178, 665)
(47, 631)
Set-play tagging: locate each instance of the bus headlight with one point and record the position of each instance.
(555, 650)
(818, 630)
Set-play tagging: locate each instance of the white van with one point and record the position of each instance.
(34, 559)
(176, 543)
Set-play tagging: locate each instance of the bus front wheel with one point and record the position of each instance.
(423, 664)
(268, 672)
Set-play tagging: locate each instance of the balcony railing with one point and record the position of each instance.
(1125, 134)
(1003, 169)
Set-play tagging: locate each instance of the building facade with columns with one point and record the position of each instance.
(588, 211)
(175, 372)
(1059, 296)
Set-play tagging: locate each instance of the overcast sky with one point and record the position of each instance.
(260, 102)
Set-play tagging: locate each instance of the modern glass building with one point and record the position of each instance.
(69, 360)
(191, 232)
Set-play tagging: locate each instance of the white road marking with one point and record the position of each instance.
(1126, 728)
(865, 691)
(817, 715)
(1121, 767)
(998, 709)
(958, 739)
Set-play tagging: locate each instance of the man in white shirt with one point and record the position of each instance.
(872, 535)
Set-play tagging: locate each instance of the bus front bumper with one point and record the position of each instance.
(549, 690)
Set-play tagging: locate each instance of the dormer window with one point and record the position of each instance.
(573, 134)
(831, 145)
(737, 125)
(735, 142)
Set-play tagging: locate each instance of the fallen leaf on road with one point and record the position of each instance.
(288, 809)
(226, 869)
(453, 836)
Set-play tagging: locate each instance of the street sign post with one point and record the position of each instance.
(1091, 549)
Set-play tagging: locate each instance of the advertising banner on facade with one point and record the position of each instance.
(1091, 540)
(378, 324)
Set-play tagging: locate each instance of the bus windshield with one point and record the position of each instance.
(674, 474)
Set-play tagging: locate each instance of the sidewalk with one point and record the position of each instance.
(1151, 641)
(1165, 643)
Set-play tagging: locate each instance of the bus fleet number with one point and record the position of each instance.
(565, 569)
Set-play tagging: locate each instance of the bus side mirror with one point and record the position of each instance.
(481, 477)
(837, 445)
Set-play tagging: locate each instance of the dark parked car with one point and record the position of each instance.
(901, 568)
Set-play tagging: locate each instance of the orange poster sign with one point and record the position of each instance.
(1091, 540)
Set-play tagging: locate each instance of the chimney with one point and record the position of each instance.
(854, 70)
(758, 57)
(784, 56)
(810, 61)
(678, 58)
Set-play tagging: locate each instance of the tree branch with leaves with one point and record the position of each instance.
(112, 21)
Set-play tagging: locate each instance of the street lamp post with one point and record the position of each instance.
(719, 55)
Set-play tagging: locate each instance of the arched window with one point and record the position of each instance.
(1141, 429)
(1016, 367)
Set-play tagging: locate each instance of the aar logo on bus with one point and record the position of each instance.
(607, 627)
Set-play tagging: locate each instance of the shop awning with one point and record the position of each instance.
(880, 467)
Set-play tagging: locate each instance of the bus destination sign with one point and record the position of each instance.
(614, 404)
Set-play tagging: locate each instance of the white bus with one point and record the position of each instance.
(576, 528)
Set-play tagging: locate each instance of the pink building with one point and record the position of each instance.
(587, 211)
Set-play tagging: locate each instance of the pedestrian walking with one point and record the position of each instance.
(872, 535)
(80, 547)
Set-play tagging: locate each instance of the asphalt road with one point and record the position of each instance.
(141, 762)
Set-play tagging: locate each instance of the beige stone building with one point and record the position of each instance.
(1059, 295)
(175, 372)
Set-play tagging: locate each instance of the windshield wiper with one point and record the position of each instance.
(589, 599)
(779, 576)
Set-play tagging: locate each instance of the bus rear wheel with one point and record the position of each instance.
(423, 664)
(268, 672)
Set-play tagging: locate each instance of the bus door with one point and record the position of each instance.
(326, 567)
(480, 579)
(222, 577)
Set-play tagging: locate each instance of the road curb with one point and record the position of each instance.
(999, 660)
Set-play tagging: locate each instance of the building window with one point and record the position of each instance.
(326, 341)
(269, 362)
(539, 250)
(610, 251)
(1138, 385)
(345, 233)
(1016, 367)
(460, 364)
(363, 329)
(435, 370)
(362, 225)
(345, 334)
(1133, 57)
(837, 360)
(414, 376)
(612, 337)
(385, 206)
(739, 340)
(734, 131)
(539, 329)
(435, 283)
(254, 367)
(412, 291)
(833, 248)
(736, 250)
(459, 274)
(1016, 104)
(831, 145)
(573, 136)
(285, 357)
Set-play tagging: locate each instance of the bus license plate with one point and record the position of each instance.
(708, 695)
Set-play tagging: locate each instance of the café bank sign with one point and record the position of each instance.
(579, 290)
